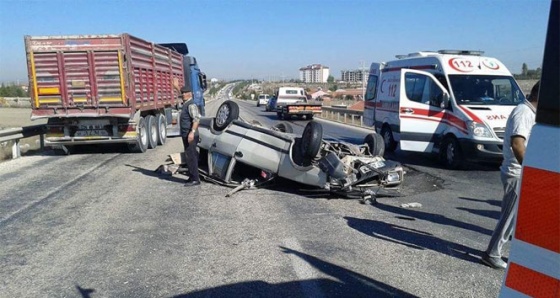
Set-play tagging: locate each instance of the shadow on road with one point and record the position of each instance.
(155, 174)
(496, 203)
(413, 238)
(344, 283)
(435, 218)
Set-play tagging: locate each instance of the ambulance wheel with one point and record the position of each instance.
(227, 112)
(388, 139)
(376, 144)
(311, 139)
(152, 131)
(161, 129)
(450, 153)
(141, 143)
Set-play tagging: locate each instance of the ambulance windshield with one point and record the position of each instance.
(485, 90)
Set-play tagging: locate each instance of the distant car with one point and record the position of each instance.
(271, 105)
(263, 99)
(234, 153)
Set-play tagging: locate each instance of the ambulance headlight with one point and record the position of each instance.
(479, 130)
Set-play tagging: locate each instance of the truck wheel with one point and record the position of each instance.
(151, 126)
(141, 139)
(376, 144)
(161, 129)
(451, 155)
(227, 112)
(388, 139)
(311, 139)
(309, 117)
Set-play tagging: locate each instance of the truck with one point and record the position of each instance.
(99, 89)
(293, 101)
(454, 103)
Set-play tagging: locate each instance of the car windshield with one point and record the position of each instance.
(485, 90)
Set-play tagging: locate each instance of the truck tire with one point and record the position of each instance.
(151, 127)
(376, 144)
(311, 139)
(227, 112)
(280, 116)
(309, 117)
(141, 144)
(388, 139)
(451, 155)
(161, 129)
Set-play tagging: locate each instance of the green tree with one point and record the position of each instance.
(524, 69)
(330, 79)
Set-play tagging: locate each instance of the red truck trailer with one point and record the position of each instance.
(97, 89)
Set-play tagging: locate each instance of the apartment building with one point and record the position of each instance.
(314, 73)
(351, 75)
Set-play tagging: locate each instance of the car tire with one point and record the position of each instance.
(311, 139)
(161, 129)
(388, 139)
(451, 155)
(284, 127)
(227, 112)
(258, 104)
(141, 144)
(376, 144)
(151, 128)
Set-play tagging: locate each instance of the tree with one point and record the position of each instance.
(330, 79)
(524, 69)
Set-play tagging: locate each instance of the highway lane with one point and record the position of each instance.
(101, 223)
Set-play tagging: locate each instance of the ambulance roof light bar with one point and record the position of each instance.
(442, 52)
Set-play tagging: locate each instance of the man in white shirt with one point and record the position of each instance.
(518, 130)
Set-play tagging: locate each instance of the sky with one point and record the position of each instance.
(272, 39)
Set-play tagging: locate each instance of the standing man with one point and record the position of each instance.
(188, 121)
(518, 130)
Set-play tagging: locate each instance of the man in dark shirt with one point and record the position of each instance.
(189, 119)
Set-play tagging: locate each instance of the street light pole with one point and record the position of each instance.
(363, 81)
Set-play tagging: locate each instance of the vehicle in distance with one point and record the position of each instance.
(292, 101)
(271, 105)
(233, 151)
(263, 99)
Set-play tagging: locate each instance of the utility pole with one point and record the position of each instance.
(363, 81)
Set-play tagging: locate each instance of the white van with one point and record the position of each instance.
(454, 103)
(263, 99)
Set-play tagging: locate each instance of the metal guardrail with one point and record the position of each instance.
(343, 115)
(16, 134)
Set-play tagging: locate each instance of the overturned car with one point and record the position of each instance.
(238, 154)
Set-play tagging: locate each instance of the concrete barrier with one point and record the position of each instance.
(15, 102)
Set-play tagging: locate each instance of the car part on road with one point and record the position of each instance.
(284, 127)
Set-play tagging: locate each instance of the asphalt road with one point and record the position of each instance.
(101, 223)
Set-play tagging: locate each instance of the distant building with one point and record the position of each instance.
(314, 73)
(351, 75)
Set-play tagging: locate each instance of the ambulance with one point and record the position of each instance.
(454, 103)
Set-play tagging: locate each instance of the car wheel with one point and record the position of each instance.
(141, 138)
(258, 104)
(376, 144)
(451, 155)
(227, 112)
(284, 127)
(388, 139)
(311, 139)
(161, 129)
(151, 127)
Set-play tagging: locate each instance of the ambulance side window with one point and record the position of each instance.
(371, 87)
(423, 89)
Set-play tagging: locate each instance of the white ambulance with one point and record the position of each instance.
(451, 102)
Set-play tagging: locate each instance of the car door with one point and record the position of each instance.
(421, 110)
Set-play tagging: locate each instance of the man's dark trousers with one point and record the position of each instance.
(192, 157)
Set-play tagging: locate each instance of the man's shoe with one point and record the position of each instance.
(494, 262)
(192, 183)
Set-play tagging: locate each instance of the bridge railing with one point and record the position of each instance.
(343, 115)
(16, 134)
